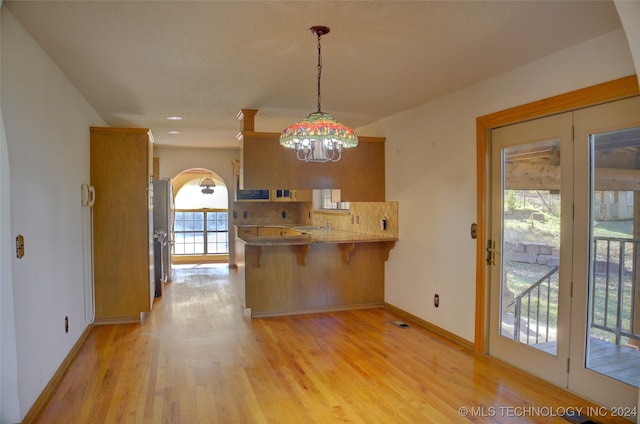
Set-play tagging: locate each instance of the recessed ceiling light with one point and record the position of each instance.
(174, 118)
(174, 132)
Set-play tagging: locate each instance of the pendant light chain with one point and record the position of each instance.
(318, 137)
(319, 69)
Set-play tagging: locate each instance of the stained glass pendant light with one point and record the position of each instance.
(318, 137)
(207, 185)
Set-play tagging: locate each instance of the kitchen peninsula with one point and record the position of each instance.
(290, 268)
(310, 269)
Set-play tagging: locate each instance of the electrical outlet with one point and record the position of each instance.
(66, 324)
(436, 300)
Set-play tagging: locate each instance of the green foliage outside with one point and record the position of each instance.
(535, 218)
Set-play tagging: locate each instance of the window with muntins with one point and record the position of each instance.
(201, 232)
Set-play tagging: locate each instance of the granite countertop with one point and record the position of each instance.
(311, 235)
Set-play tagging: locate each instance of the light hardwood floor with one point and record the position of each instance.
(198, 359)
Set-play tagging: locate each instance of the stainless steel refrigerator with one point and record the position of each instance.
(162, 231)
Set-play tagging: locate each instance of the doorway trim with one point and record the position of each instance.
(590, 96)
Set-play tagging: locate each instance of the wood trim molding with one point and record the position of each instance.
(586, 97)
(274, 135)
(56, 379)
(119, 130)
(432, 328)
(200, 259)
(257, 134)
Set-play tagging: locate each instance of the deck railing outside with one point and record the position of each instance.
(614, 288)
(534, 311)
(614, 296)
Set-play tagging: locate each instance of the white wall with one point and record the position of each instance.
(174, 160)
(9, 408)
(629, 12)
(44, 152)
(431, 172)
(46, 123)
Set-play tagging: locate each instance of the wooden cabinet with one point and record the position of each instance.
(261, 162)
(332, 276)
(121, 167)
(286, 195)
(290, 232)
(275, 195)
(362, 171)
(265, 164)
(269, 231)
(266, 231)
(247, 231)
(301, 195)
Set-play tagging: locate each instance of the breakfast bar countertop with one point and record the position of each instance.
(292, 269)
(311, 235)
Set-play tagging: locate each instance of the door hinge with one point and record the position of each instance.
(571, 289)
(491, 252)
(573, 133)
(568, 364)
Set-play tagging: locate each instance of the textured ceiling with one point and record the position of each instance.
(138, 62)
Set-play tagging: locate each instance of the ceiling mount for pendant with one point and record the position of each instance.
(318, 137)
(319, 30)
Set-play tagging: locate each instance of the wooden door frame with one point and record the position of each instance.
(586, 97)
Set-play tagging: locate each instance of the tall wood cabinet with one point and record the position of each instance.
(121, 172)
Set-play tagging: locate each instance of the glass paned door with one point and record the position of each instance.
(605, 365)
(614, 316)
(531, 244)
(531, 192)
(581, 330)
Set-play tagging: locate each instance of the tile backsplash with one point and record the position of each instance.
(271, 213)
(362, 217)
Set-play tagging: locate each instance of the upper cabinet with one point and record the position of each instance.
(267, 165)
(362, 171)
(267, 195)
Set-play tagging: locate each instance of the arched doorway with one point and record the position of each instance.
(201, 217)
